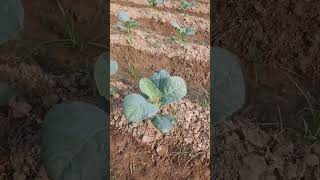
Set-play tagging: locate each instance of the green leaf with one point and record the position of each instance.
(121, 26)
(158, 77)
(123, 16)
(113, 67)
(228, 84)
(190, 30)
(175, 24)
(101, 73)
(137, 109)
(11, 19)
(7, 94)
(164, 123)
(74, 142)
(173, 89)
(150, 89)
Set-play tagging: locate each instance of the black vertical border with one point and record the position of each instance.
(212, 133)
(106, 25)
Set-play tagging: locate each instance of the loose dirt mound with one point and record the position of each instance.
(254, 31)
(244, 151)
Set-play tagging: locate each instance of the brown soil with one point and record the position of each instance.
(170, 6)
(147, 154)
(276, 42)
(148, 12)
(132, 160)
(53, 74)
(150, 25)
(194, 75)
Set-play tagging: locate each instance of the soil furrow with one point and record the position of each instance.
(183, 19)
(148, 25)
(130, 59)
(160, 45)
(200, 9)
(197, 1)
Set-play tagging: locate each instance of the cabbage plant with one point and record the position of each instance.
(183, 31)
(126, 23)
(156, 91)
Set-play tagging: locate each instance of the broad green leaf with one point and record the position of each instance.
(164, 123)
(173, 89)
(11, 19)
(7, 94)
(228, 84)
(150, 89)
(158, 77)
(190, 31)
(74, 142)
(175, 24)
(101, 73)
(113, 67)
(137, 109)
(123, 16)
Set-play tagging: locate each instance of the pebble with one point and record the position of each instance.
(162, 150)
(188, 140)
(147, 138)
(50, 100)
(20, 109)
(188, 116)
(311, 160)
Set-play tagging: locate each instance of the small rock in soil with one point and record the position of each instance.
(20, 109)
(292, 171)
(316, 149)
(311, 160)
(188, 116)
(19, 176)
(255, 164)
(256, 137)
(162, 150)
(188, 140)
(147, 138)
(50, 100)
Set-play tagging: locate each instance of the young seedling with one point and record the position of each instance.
(183, 31)
(71, 36)
(126, 23)
(184, 5)
(155, 2)
(158, 90)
